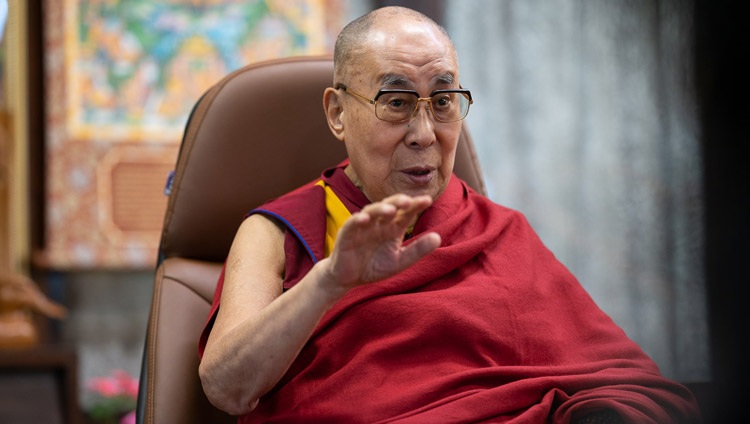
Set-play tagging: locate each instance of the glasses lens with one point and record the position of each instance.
(450, 106)
(395, 107)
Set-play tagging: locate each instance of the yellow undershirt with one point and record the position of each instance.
(336, 215)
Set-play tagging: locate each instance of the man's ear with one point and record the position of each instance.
(334, 109)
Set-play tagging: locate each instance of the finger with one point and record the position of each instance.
(367, 225)
(406, 202)
(392, 215)
(380, 210)
(407, 215)
(419, 248)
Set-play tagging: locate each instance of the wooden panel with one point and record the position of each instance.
(39, 385)
(29, 397)
(14, 249)
(130, 194)
(138, 201)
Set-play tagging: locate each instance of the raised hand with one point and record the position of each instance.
(370, 247)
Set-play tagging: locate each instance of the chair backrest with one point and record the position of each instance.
(258, 133)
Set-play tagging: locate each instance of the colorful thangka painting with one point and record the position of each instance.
(137, 66)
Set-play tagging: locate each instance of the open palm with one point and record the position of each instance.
(369, 246)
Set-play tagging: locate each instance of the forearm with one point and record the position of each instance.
(250, 359)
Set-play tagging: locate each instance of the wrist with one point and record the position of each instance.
(325, 283)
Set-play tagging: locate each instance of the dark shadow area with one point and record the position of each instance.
(722, 82)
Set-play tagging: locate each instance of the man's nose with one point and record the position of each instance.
(421, 127)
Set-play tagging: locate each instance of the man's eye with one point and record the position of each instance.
(397, 102)
(442, 101)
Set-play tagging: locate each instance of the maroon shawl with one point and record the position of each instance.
(490, 327)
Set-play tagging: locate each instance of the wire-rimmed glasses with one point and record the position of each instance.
(396, 105)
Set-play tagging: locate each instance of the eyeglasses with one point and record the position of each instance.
(395, 105)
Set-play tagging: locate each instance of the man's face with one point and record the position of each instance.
(414, 157)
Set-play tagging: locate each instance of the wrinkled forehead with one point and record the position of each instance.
(403, 56)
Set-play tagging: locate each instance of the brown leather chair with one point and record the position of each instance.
(256, 134)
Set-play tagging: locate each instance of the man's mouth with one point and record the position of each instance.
(417, 171)
(419, 175)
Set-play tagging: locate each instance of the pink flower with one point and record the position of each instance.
(106, 387)
(128, 418)
(128, 385)
(119, 384)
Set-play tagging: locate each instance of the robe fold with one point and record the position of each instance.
(490, 327)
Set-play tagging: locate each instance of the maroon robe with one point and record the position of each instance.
(490, 327)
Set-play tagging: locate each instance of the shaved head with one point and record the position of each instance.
(353, 39)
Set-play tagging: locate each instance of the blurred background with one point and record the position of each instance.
(615, 127)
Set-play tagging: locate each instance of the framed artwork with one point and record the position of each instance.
(121, 80)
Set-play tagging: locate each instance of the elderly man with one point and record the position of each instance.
(388, 290)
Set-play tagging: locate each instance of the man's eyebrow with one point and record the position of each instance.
(445, 79)
(393, 80)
